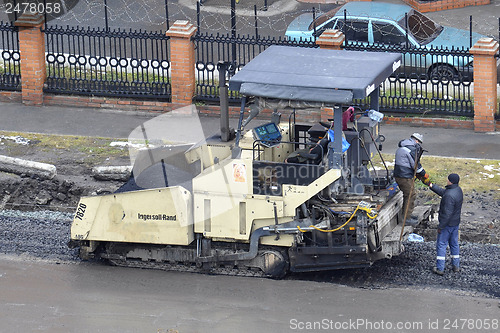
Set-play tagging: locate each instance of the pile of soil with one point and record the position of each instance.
(61, 193)
(73, 180)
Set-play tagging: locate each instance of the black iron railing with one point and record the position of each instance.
(429, 81)
(10, 71)
(238, 51)
(105, 62)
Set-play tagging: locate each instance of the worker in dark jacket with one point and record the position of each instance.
(450, 210)
(404, 172)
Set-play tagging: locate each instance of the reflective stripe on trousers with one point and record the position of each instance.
(447, 236)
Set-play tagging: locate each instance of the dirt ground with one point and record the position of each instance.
(74, 158)
(480, 217)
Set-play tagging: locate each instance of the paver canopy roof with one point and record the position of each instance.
(314, 75)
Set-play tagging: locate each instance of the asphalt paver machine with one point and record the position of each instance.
(279, 196)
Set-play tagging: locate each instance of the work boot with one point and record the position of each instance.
(411, 222)
(437, 271)
(456, 269)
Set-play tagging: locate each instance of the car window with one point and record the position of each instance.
(385, 33)
(323, 18)
(329, 25)
(421, 27)
(354, 30)
(320, 30)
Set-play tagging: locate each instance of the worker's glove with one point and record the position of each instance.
(425, 179)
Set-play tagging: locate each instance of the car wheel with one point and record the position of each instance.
(443, 72)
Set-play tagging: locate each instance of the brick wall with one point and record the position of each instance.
(182, 61)
(433, 6)
(434, 122)
(331, 39)
(429, 122)
(11, 96)
(485, 84)
(32, 52)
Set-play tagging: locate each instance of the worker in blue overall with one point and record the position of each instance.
(450, 210)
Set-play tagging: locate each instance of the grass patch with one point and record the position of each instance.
(91, 149)
(10, 68)
(95, 74)
(475, 174)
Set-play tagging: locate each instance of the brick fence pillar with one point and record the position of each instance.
(485, 84)
(182, 62)
(32, 51)
(331, 39)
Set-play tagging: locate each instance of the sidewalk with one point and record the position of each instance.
(17, 117)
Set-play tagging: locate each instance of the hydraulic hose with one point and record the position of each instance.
(360, 206)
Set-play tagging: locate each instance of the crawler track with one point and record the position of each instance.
(269, 262)
(188, 268)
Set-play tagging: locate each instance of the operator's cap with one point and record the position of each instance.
(418, 136)
(454, 178)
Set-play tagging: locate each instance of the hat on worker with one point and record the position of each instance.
(418, 136)
(454, 178)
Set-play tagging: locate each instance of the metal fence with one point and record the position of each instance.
(238, 51)
(105, 62)
(120, 63)
(430, 81)
(10, 71)
(425, 84)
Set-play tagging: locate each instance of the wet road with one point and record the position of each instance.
(47, 297)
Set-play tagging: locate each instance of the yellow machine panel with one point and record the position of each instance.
(157, 216)
(219, 199)
(208, 153)
(225, 207)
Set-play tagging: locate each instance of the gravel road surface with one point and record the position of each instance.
(44, 235)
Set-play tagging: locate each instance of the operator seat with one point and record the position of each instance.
(312, 155)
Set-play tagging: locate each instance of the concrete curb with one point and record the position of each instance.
(20, 166)
(112, 172)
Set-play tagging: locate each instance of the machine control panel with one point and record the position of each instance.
(268, 134)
